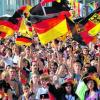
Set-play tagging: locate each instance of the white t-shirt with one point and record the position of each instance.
(41, 91)
(16, 59)
(69, 97)
(8, 61)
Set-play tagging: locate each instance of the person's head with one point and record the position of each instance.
(54, 66)
(86, 67)
(92, 85)
(26, 63)
(27, 50)
(85, 51)
(68, 86)
(35, 77)
(5, 75)
(9, 51)
(12, 72)
(34, 67)
(26, 89)
(77, 67)
(44, 79)
(69, 49)
(16, 49)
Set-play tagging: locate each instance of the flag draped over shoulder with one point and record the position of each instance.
(92, 23)
(51, 29)
(21, 40)
(8, 27)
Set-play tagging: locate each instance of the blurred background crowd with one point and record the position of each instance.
(37, 72)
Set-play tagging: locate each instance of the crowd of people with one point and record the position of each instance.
(49, 72)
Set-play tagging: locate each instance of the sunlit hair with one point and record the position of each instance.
(5, 74)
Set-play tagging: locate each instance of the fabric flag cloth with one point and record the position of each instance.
(8, 27)
(75, 35)
(23, 10)
(43, 2)
(37, 18)
(21, 40)
(81, 89)
(2, 35)
(56, 8)
(51, 29)
(92, 23)
(24, 29)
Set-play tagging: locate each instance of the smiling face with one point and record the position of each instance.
(90, 84)
(77, 67)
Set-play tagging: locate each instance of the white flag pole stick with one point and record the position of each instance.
(43, 9)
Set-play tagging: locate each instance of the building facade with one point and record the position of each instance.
(10, 6)
(82, 8)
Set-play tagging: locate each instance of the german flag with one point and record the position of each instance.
(78, 33)
(8, 27)
(21, 40)
(92, 23)
(51, 29)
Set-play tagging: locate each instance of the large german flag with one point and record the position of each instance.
(51, 29)
(21, 40)
(92, 23)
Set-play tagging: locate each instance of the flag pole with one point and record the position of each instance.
(43, 9)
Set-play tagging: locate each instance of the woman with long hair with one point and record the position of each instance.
(68, 90)
(92, 92)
